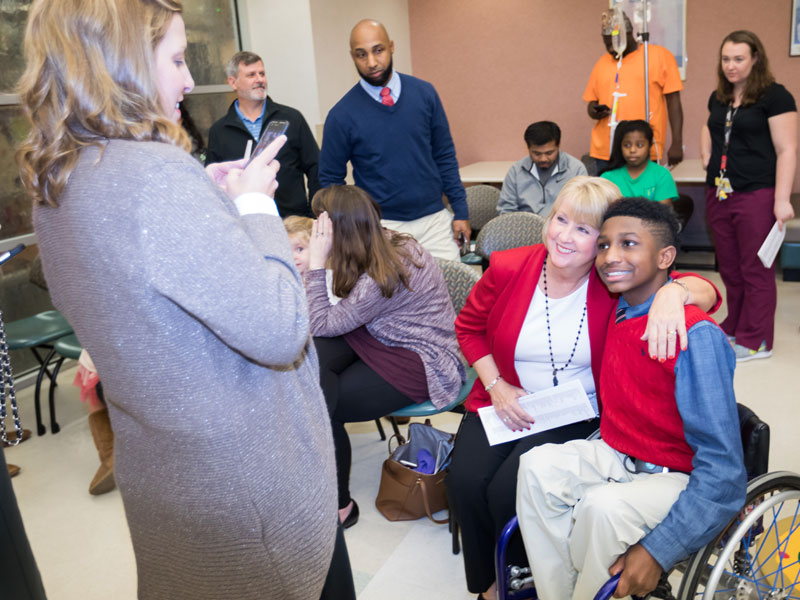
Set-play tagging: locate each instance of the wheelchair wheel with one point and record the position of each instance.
(756, 556)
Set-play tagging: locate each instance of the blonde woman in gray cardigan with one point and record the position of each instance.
(390, 341)
(188, 302)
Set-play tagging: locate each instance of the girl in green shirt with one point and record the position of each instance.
(631, 169)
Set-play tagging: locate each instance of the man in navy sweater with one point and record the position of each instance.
(393, 130)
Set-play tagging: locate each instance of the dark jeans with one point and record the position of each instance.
(353, 392)
(482, 492)
(339, 582)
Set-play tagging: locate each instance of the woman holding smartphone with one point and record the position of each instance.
(188, 301)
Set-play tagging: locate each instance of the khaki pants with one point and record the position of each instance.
(580, 508)
(434, 232)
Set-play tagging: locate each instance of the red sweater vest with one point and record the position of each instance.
(640, 416)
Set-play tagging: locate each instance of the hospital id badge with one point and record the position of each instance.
(723, 188)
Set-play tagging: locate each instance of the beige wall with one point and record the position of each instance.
(305, 47)
(499, 66)
(331, 23)
(280, 32)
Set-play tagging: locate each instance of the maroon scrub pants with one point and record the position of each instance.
(739, 225)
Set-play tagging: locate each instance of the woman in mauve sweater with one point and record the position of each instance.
(391, 341)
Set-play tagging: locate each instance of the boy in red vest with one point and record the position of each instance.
(668, 473)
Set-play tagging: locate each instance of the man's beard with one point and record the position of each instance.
(384, 78)
(256, 94)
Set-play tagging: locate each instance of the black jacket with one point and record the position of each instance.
(227, 140)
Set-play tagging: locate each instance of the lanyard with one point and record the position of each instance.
(723, 183)
(729, 116)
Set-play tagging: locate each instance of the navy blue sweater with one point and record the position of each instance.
(403, 155)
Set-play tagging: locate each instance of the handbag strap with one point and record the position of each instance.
(421, 483)
(7, 388)
(400, 441)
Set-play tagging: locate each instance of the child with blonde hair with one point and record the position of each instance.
(299, 230)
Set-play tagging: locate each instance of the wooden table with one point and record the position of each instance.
(689, 170)
(490, 171)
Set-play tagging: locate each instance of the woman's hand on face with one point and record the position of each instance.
(259, 175)
(666, 322)
(505, 399)
(321, 242)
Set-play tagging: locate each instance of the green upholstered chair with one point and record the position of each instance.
(509, 230)
(65, 347)
(38, 333)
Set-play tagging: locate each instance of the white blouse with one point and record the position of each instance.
(532, 354)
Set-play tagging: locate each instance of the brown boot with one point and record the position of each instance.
(100, 426)
(13, 470)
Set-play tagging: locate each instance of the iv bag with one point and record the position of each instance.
(619, 34)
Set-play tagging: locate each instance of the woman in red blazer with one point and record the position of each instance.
(537, 318)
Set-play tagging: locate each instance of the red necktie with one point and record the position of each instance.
(386, 97)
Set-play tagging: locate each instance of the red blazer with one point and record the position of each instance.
(492, 318)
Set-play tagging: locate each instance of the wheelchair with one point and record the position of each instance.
(755, 557)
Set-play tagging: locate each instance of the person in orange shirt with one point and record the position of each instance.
(627, 79)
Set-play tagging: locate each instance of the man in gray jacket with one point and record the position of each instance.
(532, 184)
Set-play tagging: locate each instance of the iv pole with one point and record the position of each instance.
(646, 40)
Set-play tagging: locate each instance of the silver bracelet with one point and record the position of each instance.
(684, 286)
(489, 387)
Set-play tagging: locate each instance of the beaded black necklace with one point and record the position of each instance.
(549, 341)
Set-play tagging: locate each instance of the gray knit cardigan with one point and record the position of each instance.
(196, 320)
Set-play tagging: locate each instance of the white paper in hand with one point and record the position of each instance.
(550, 408)
(769, 249)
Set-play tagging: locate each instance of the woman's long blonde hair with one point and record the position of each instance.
(89, 78)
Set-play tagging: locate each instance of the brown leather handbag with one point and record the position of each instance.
(406, 494)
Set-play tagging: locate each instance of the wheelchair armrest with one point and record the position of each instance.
(755, 442)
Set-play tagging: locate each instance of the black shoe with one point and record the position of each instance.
(352, 518)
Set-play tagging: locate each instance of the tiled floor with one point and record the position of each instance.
(83, 549)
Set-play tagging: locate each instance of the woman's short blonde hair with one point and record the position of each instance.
(90, 77)
(585, 199)
(297, 225)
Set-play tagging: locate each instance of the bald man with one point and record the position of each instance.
(393, 130)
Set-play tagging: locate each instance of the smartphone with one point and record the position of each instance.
(4, 256)
(274, 130)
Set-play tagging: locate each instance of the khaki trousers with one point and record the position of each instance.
(434, 232)
(580, 508)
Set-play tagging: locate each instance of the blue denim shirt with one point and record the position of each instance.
(707, 405)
